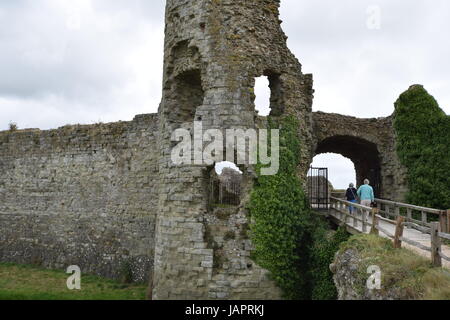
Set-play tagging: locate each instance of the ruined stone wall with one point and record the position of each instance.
(214, 50)
(92, 195)
(104, 196)
(363, 141)
(80, 195)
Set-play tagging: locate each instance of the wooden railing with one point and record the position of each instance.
(396, 209)
(370, 217)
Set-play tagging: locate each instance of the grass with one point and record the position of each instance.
(23, 282)
(401, 268)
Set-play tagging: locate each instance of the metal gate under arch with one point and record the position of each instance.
(318, 188)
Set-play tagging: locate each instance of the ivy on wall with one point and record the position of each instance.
(423, 146)
(278, 208)
(290, 241)
(322, 255)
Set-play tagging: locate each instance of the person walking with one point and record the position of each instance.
(351, 196)
(365, 193)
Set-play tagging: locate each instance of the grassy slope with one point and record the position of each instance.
(33, 283)
(401, 268)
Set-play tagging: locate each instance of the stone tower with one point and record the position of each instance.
(214, 50)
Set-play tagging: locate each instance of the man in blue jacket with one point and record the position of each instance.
(365, 193)
(351, 196)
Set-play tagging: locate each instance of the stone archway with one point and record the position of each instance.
(364, 154)
(369, 143)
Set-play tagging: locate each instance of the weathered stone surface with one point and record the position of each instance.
(369, 143)
(351, 285)
(214, 50)
(82, 195)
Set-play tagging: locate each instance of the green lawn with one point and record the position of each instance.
(19, 282)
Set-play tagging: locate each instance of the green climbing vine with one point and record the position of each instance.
(423, 136)
(278, 208)
(284, 230)
(325, 246)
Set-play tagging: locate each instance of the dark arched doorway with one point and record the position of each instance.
(364, 154)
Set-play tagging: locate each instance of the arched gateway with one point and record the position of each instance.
(369, 143)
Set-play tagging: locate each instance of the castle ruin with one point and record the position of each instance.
(106, 196)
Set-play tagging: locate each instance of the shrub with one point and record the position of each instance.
(126, 272)
(423, 135)
(13, 126)
(322, 255)
(279, 211)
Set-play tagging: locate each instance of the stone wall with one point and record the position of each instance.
(80, 195)
(369, 143)
(214, 50)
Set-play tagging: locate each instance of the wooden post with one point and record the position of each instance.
(375, 222)
(443, 221)
(399, 232)
(424, 218)
(409, 214)
(346, 214)
(448, 221)
(397, 211)
(435, 245)
(364, 225)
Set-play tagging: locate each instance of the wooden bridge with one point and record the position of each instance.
(423, 230)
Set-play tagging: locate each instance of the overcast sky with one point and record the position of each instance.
(85, 61)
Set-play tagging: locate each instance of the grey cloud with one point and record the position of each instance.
(53, 72)
(40, 55)
(149, 10)
(357, 71)
(369, 68)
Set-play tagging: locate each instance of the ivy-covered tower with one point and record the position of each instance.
(214, 50)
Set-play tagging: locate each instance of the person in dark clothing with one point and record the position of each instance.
(351, 196)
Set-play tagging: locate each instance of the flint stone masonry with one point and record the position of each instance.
(80, 195)
(108, 197)
(214, 50)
